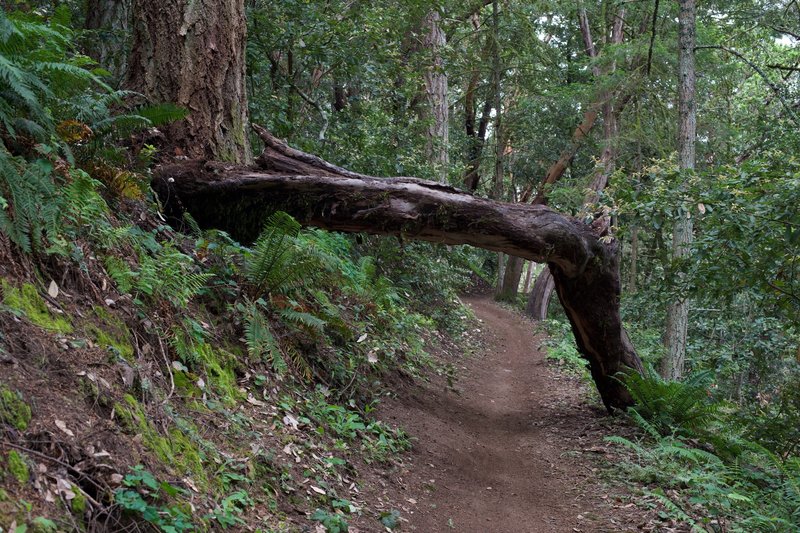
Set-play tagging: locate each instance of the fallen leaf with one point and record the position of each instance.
(64, 488)
(318, 490)
(52, 290)
(63, 427)
(289, 420)
(362, 338)
(251, 400)
(372, 357)
(190, 484)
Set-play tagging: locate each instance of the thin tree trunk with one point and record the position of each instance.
(191, 53)
(109, 43)
(539, 297)
(585, 265)
(633, 274)
(476, 137)
(511, 278)
(528, 278)
(436, 91)
(497, 189)
(673, 363)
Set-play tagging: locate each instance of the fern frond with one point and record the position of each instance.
(162, 113)
(270, 264)
(302, 319)
(261, 344)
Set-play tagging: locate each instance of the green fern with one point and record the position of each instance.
(275, 263)
(261, 344)
(161, 114)
(303, 319)
(676, 510)
(32, 206)
(672, 405)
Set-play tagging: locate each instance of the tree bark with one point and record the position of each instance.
(672, 365)
(539, 298)
(633, 274)
(436, 91)
(511, 278)
(528, 278)
(191, 53)
(110, 20)
(585, 266)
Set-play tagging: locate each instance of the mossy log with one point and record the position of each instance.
(584, 261)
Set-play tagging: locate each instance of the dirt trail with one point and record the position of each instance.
(514, 452)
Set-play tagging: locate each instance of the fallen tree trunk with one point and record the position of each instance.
(584, 265)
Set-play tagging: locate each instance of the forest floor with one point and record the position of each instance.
(515, 446)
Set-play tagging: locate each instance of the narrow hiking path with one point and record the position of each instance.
(514, 448)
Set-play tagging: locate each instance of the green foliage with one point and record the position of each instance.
(261, 343)
(226, 513)
(162, 270)
(561, 347)
(333, 522)
(275, 263)
(146, 497)
(39, 72)
(30, 207)
(668, 405)
(379, 442)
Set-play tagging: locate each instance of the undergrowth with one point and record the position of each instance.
(241, 373)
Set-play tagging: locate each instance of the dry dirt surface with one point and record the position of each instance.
(514, 447)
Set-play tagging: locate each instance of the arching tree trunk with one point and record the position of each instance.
(585, 266)
(110, 20)
(191, 53)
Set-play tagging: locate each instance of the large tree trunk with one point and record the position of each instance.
(436, 90)
(585, 266)
(672, 364)
(110, 22)
(191, 53)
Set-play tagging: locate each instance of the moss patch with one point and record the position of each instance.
(13, 410)
(17, 467)
(176, 450)
(111, 333)
(27, 301)
(78, 503)
(219, 366)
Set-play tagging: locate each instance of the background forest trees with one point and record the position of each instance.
(519, 101)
